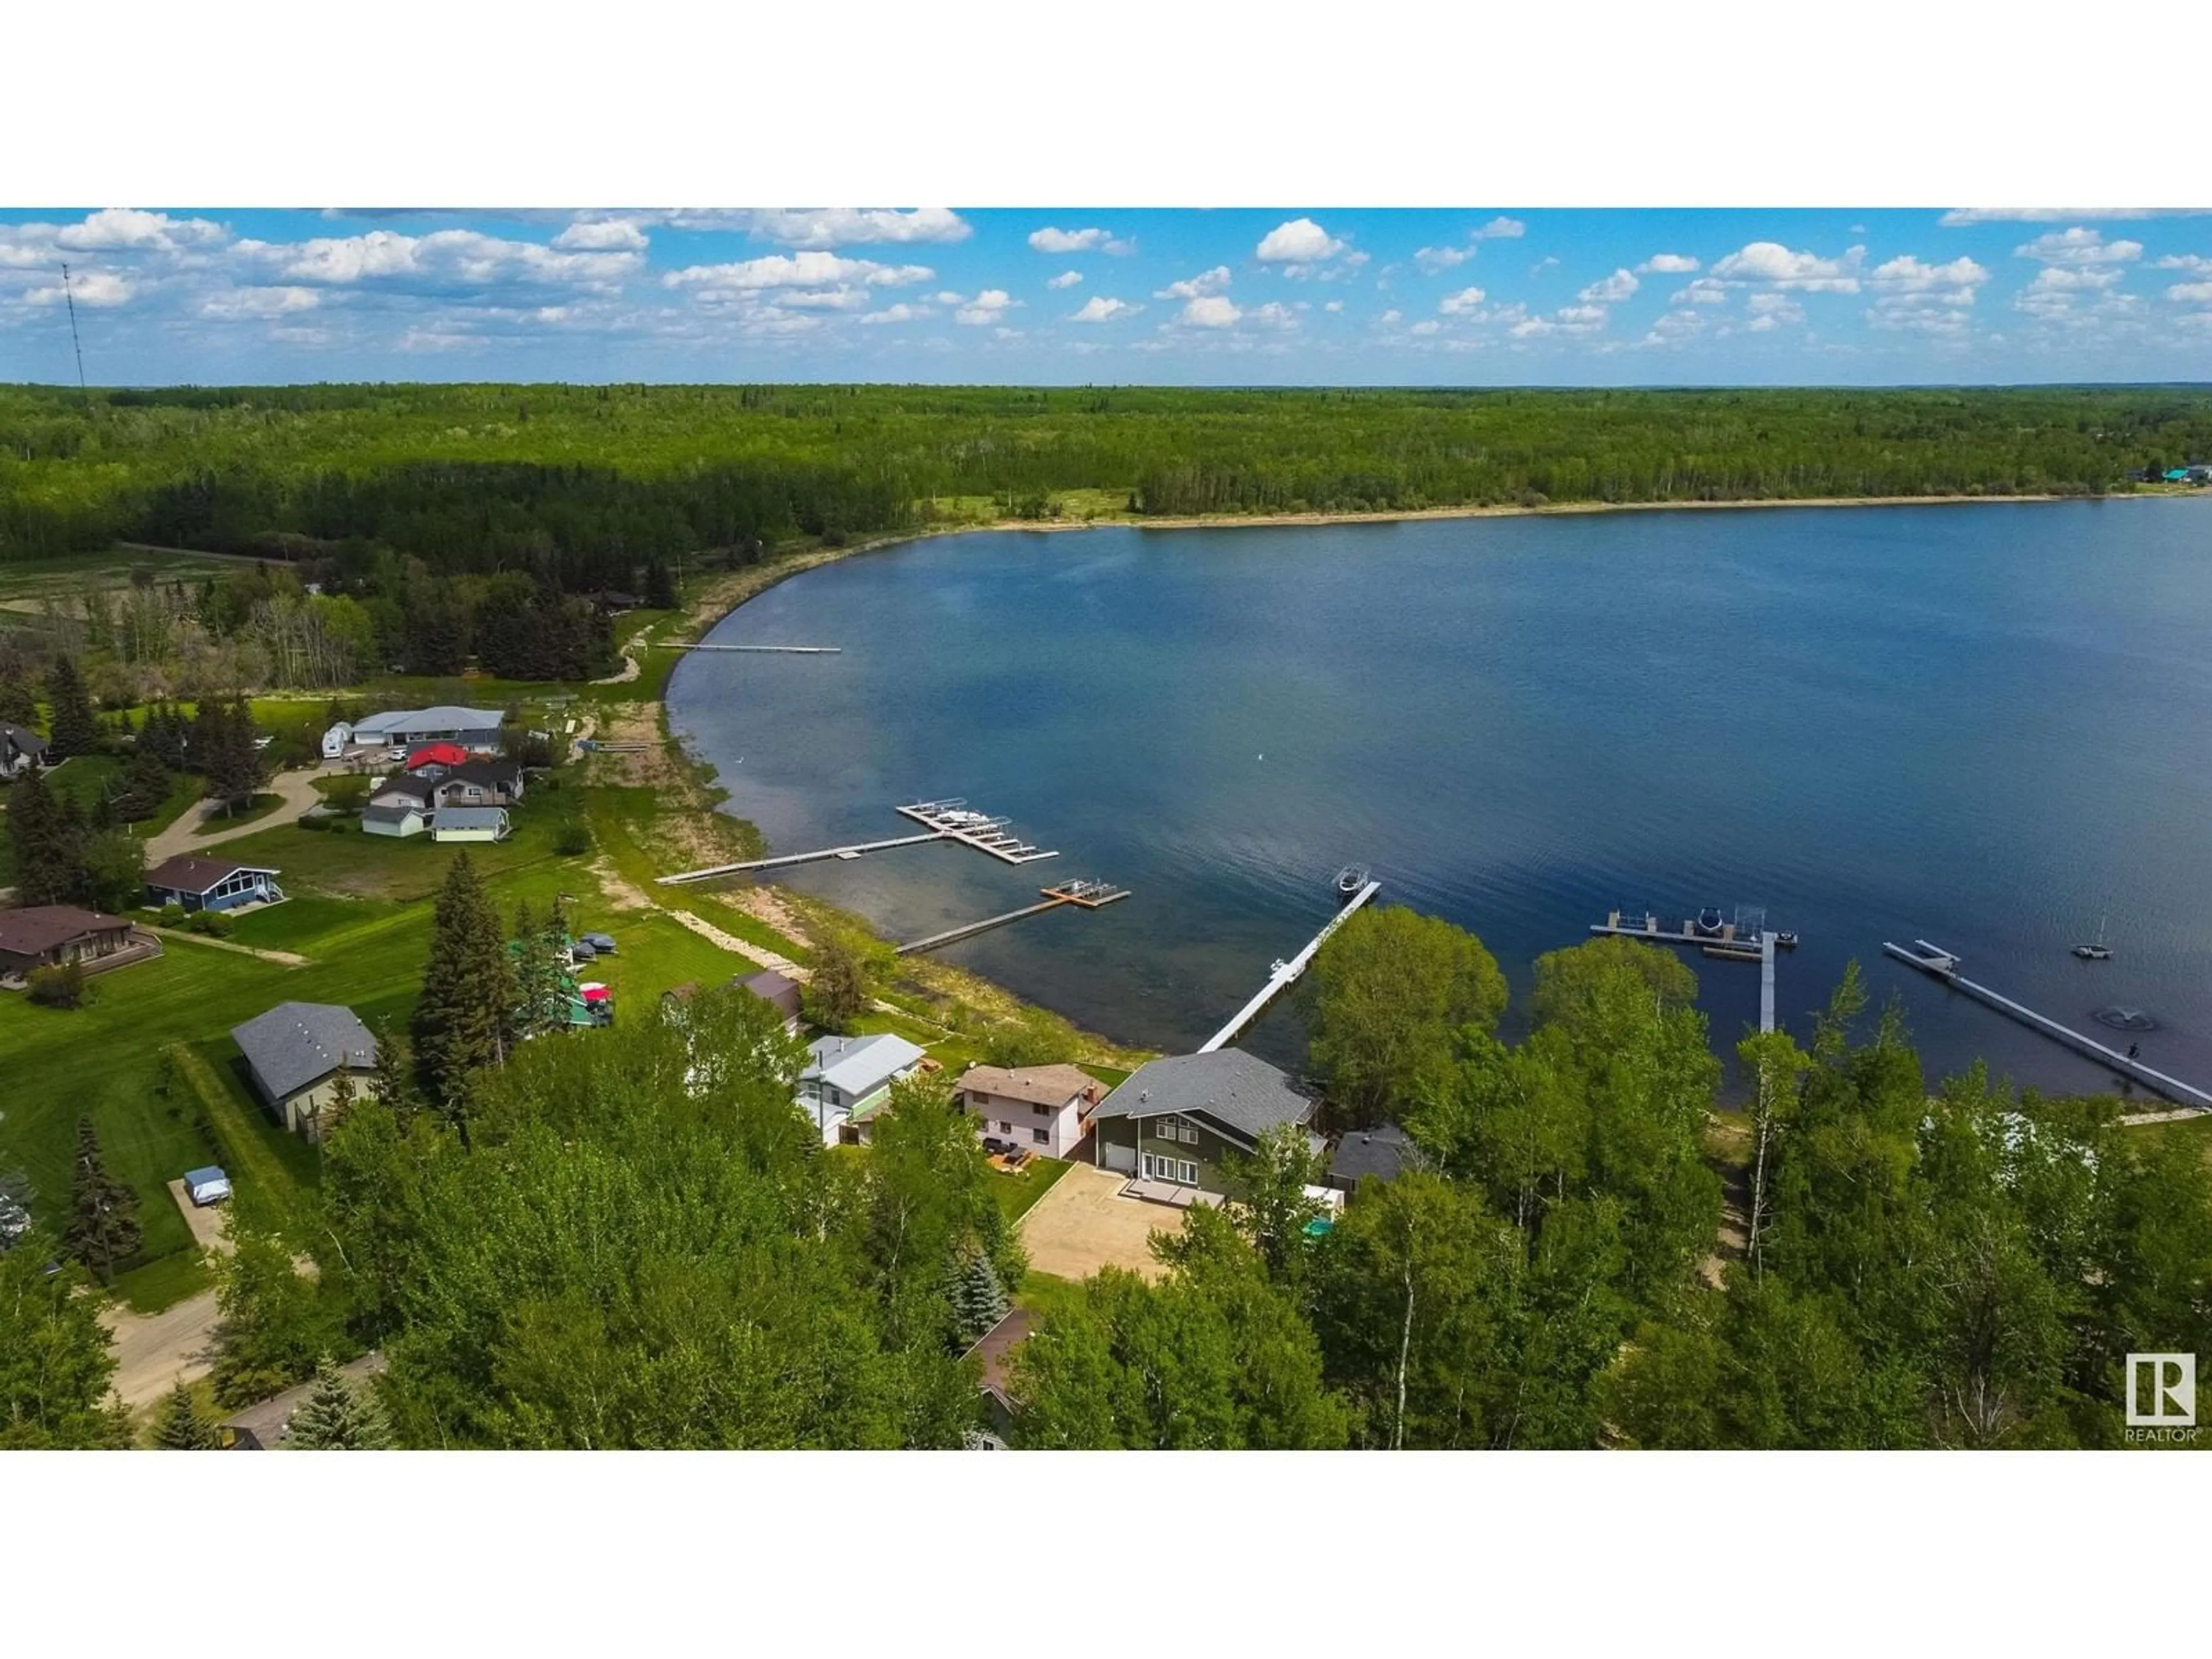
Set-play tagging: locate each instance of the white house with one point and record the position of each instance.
(848, 1079)
(1043, 1108)
(475, 729)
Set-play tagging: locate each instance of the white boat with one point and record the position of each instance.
(2098, 951)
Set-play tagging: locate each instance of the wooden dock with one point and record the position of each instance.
(1082, 895)
(945, 820)
(954, 820)
(778, 650)
(1726, 945)
(1286, 973)
(715, 871)
(1943, 965)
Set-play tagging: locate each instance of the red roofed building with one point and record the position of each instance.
(436, 754)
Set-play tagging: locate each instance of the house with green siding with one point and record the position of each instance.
(1172, 1120)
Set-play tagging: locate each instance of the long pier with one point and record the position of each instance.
(1727, 946)
(855, 851)
(1083, 895)
(1286, 973)
(1943, 965)
(945, 820)
(780, 650)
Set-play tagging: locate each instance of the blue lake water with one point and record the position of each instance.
(1985, 725)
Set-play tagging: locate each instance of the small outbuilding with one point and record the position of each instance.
(397, 818)
(20, 750)
(779, 991)
(1382, 1154)
(470, 824)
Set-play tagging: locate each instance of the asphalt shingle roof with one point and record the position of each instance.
(186, 874)
(298, 1043)
(1040, 1086)
(1233, 1088)
(469, 818)
(858, 1066)
(35, 931)
(445, 717)
(1382, 1152)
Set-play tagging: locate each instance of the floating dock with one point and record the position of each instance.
(947, 820)
(1940, 964)
(1286, 973)
(1083, 895)
(1728, 944)
(955, 820)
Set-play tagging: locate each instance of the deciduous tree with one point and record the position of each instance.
(1391, 989)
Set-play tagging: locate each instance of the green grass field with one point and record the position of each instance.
(1016, 1192)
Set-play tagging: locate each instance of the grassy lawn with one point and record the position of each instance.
(259, 807)
(1016, 1192)
(1044, 1294)
(164, 1282)
(2197, 1129)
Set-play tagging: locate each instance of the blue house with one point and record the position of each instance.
(200, 884)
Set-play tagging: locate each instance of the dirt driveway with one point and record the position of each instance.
(1084, 1223)
(153, 1351)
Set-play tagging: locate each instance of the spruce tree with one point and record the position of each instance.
(103, 1225)
(336, 1416)
(465, 1017)
(223, 743)
(392, 1085)
(76, 732)
(145, 785)
(979, 1300)
(42, 834)
(17, 705)
(541, 988)
(182, 1426)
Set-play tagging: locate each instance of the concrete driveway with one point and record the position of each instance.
(1084, 1223)
(206, 1221)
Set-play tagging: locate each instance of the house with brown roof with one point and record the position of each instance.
(200, 884)
(780, 992)
(55, 935)
(1042, 1109)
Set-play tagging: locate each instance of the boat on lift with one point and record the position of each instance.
(1349, 881)
(2098, 951)
(1709, 924)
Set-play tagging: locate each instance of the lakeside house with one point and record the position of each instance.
(435, 760)
(199, 884)
(294, 1054)
(1172, 1122)
(56, 935)
(1382, 1154)
(994, 1351)
(478, 783)
(1044, 1108)
(848, 1079)
(21, 749)
(780, 992)
(261, 1426)
(475, 730)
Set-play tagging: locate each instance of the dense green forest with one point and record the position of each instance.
(582, 486)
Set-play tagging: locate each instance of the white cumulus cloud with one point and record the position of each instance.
(1668, 265)
(793, 271)
(1298, 240)
(239, 304)
(2079, 245)
(1611, 291)
(827, 228)
(1192, 288)
(1066, 279)
(598, 235)
(1053, 240)
(1466, 299)
(1434, 259)
(1102, 309)
(1209, 311)
(901, 312)
(1772, 263)
(988, 307)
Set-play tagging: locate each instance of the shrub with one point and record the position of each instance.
(64, 987)
(213, 923)
(573, 839)
(172, 914)
(312, 821)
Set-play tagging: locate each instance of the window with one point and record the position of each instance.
(1190, 1135)
(1005, 1129)
(1040, 1137)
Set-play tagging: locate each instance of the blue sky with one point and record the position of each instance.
(1291, 295)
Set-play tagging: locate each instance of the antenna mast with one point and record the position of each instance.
(69, 299)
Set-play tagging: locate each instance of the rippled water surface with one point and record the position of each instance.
(1985, 725)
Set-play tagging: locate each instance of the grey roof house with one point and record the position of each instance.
(1382, 1153)
(20, 750)
(848, 1078)
(1168, 1124)
(294, 1054)
(472, 728)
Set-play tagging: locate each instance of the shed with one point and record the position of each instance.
(470, 824)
